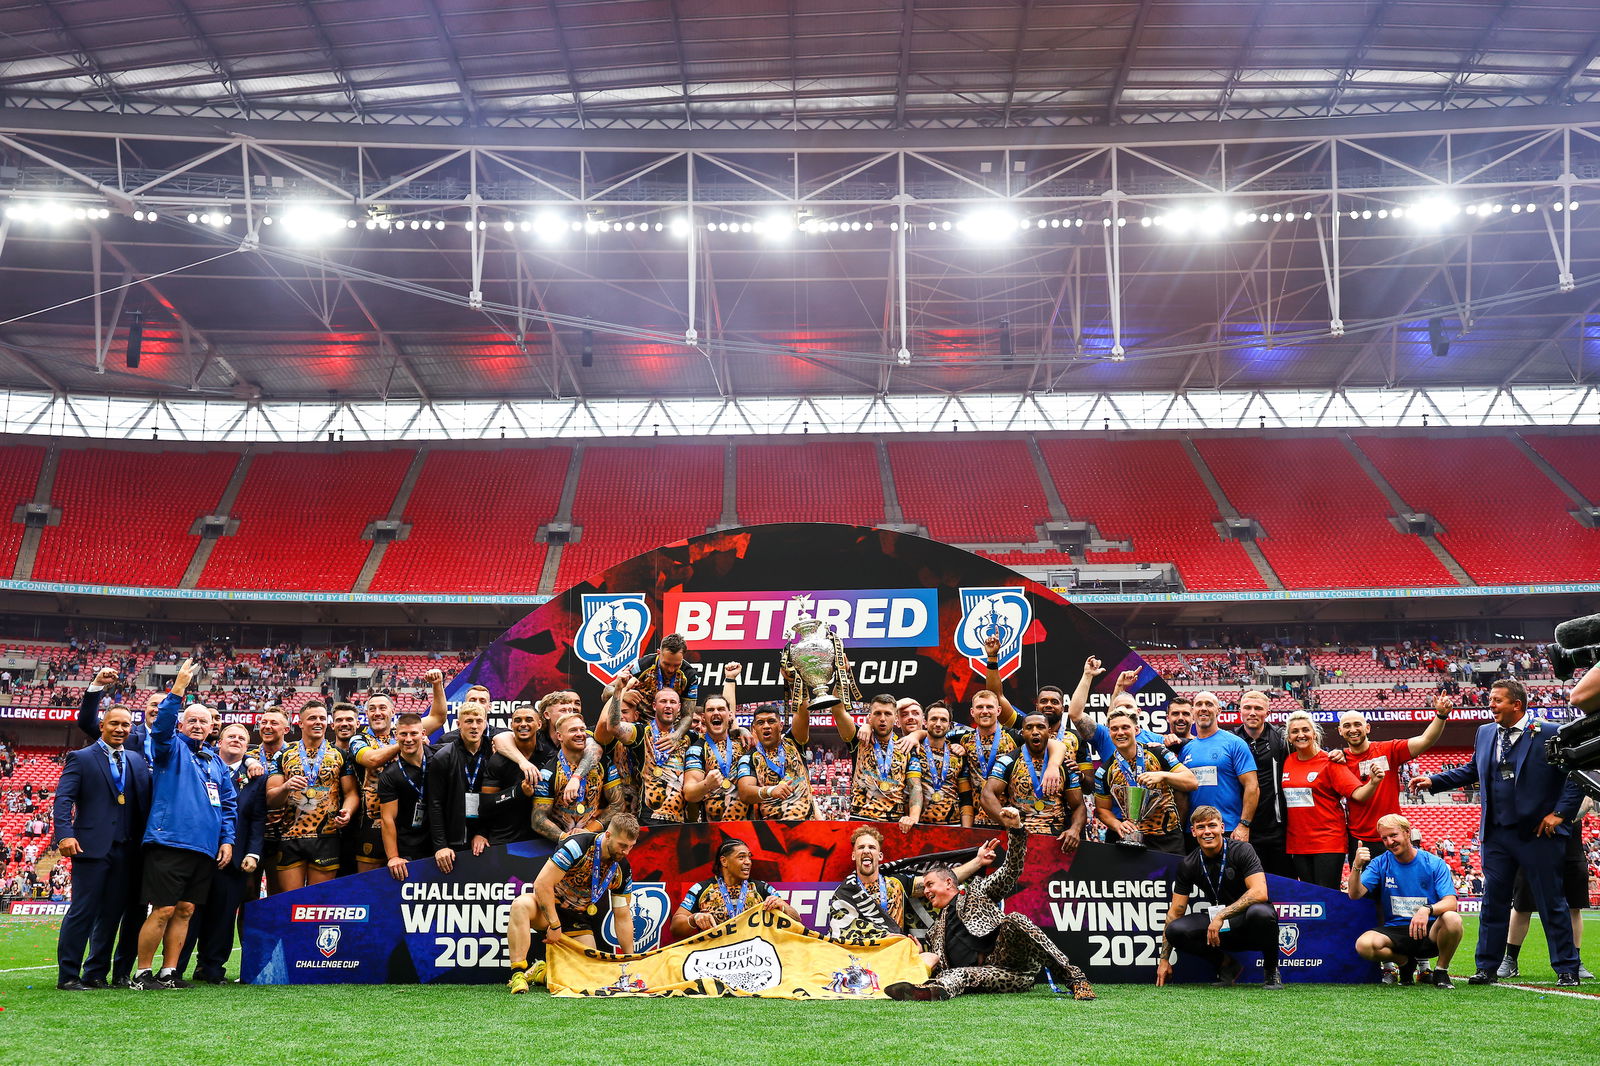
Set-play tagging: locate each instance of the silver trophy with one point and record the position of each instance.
(1133, 808)
(814, 656)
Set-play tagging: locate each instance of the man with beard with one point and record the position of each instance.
(1269, 750)
(595, 791)
(1094, 737)
(273, 728)
(946, 787)
(1017, 781)
(669, 760)
(727, 894)
(665, 669)
(1180, 721)
(717, 793)
(908, 716)
(344, 722)
(774, 782)
(402, 798)
(1364, 756)
(988, 742)
(976, 947)
(872, 903)
(316, 781)
(885, 782)
(1224, 767)
(1417, 907)
(373, 749)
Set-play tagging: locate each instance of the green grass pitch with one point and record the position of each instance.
(1305, 1024)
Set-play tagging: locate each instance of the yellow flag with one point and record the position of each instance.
(760, 953)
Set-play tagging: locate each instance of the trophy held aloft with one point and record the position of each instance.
(815, 663)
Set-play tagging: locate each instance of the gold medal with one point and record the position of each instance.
(593, 910)
(121, 798)
(581, 808)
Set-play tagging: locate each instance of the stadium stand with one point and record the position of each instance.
(1296, 488)
(819, 481)
(1147, 491)
(19, 480)
(971, 491)
(126, 516)
(632, 499)
(473, 518)
(1574, 458)
(1503, 519)
(301, 516)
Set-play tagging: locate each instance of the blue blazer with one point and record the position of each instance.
(250, 829)
(89, 723)
(86, 805)
(1541, 789)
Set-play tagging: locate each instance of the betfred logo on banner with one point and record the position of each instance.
(39, 908)
(614, 629)
(863, 618)
(993, 612)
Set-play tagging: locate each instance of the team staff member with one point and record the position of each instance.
(101, 806)
(1229, 874)
(598, 793)
(211, 932)
(774, 780)
(373, 749)
(568, 897)
(1364, 755)
(726, 895)
(1151, 767)
(885, 782)
(466, 779)
(1312, 787)
(1417, 908)
(402, 798)
(1528, 808)
(1017, 780)
(975, 947)
(1574, 885)
(1270, 750)
(316, 781)
(946, 782)
(89, 708)
(190, 832)
(1094, 738)
(1224, 768)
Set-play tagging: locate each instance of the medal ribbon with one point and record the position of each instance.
(118, 773)
(1034, 775)
(583, 785)
(596, 884)
(883, 893)
(884, 757)
(1130, 774)
(655, 755)
(727, 897)
(986, 762)
(783, 760)
(305, 759)
(944, 767)
(724, 762)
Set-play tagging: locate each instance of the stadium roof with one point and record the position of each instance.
(1207, 186)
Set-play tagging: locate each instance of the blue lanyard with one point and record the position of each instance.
(418, 789)
(986, 762)
(655, 755)
(1036, 776)
(783, 759)
(583, 782)
(1130, 776)
(596, 884)
(305, 759)
(473, 770)
(724, 763)
(727, 897)
(883, 893)
(884, 757)
(118, 772)
(1222, 869)
(938, 779)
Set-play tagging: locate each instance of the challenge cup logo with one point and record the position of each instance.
(613, 633)
(1003, 614)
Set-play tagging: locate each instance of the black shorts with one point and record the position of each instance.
(1574, 886)
(1403, 943)
(319, 851)
(368, 842)
(176, 875)
(574, 922)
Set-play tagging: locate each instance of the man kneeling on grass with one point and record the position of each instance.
(1417, 913)
(1241, 917)
(976, 947)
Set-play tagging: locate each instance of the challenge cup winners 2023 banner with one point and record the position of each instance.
(912, 614)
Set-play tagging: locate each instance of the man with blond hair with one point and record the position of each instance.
(1417, 913)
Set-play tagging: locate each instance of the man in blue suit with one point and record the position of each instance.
(211, 930)
(101, 807)
(88, 712)
(1528, 808)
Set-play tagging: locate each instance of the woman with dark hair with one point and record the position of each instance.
(726, 894)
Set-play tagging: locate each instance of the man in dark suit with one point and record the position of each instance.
(1528, 808)
(89, 708)
(101, 808)
(211, 931)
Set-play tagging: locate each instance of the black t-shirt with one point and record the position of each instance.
(509, 812)
(405, 785)
(961, 947)
(1223, 874)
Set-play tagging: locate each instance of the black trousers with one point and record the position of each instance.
(1323, 869)
(100, 891)
(211, 929)
(1269, 848)
(1254, 930)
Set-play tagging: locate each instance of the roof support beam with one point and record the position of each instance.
(1016, 59)
(1368, 37)
(683, 62)
(1480, 48)
(1564, 87)
(567, 64)
(214, 59)
(81, 54)
(1140, 20)
(452, 59)
(1555, 338)
(903, 72)
(337, 68)
(1263, 8)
